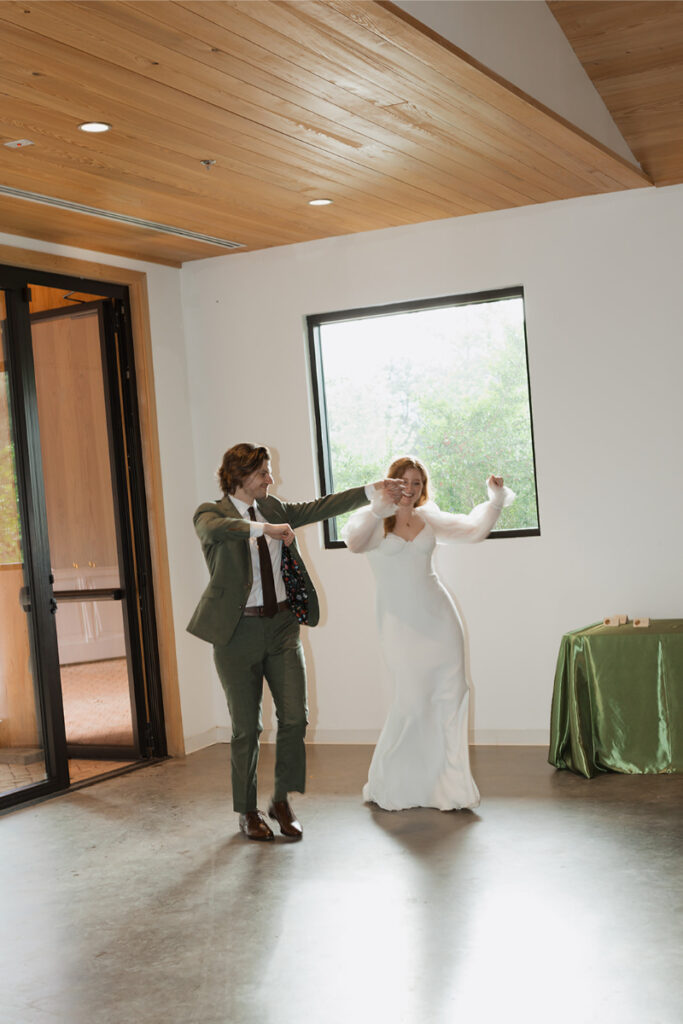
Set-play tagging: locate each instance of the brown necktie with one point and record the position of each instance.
(267, 581)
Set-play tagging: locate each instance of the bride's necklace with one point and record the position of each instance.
(410, 523)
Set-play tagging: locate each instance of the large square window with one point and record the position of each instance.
(445, 380)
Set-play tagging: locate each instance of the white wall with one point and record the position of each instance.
(177, 464)
(521, 41)
(602, 284)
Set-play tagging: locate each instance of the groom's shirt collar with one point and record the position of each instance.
(256, 529)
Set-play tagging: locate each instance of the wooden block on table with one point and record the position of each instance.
(615, 620)
(641, 623)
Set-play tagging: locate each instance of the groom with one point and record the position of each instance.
(258, 593)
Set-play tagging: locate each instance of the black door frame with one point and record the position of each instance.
(132, 532)
(35, 551)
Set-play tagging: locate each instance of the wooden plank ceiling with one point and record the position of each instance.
(350, 100)
(633, 53)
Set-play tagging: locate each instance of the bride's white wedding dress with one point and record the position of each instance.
(422, 756)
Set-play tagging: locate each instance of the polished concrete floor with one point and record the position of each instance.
(135, 901)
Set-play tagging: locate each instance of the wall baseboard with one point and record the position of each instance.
(510, 737)
(206, 739)
(368, 737)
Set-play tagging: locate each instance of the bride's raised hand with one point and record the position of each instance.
(495, 481)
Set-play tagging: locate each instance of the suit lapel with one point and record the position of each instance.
(269, 510)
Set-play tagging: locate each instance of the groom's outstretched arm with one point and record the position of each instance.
(302, 513)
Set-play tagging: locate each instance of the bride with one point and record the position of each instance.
(421, 758)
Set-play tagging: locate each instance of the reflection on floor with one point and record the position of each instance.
(97, 703)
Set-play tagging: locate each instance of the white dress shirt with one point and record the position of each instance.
(274, 549)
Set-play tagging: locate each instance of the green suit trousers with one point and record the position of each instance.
(272, 648)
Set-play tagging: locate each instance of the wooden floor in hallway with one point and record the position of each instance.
(136, 900)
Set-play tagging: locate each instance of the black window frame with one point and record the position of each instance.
(313, 325)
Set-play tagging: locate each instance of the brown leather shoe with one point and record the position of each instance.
(281, 812)
(255, 826)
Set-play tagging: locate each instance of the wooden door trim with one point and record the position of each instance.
(136, 282)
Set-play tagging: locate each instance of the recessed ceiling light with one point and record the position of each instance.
(319, 202)
(94, 126)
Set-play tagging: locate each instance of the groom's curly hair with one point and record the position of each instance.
(238, 463)
(395, 472)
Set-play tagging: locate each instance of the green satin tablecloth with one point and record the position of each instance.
(618, 699)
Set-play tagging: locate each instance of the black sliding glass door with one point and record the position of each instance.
(32, 740)
(79, 679)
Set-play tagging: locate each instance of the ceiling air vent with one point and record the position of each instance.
(121, 218)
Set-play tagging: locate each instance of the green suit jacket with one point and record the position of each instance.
(224, 537)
